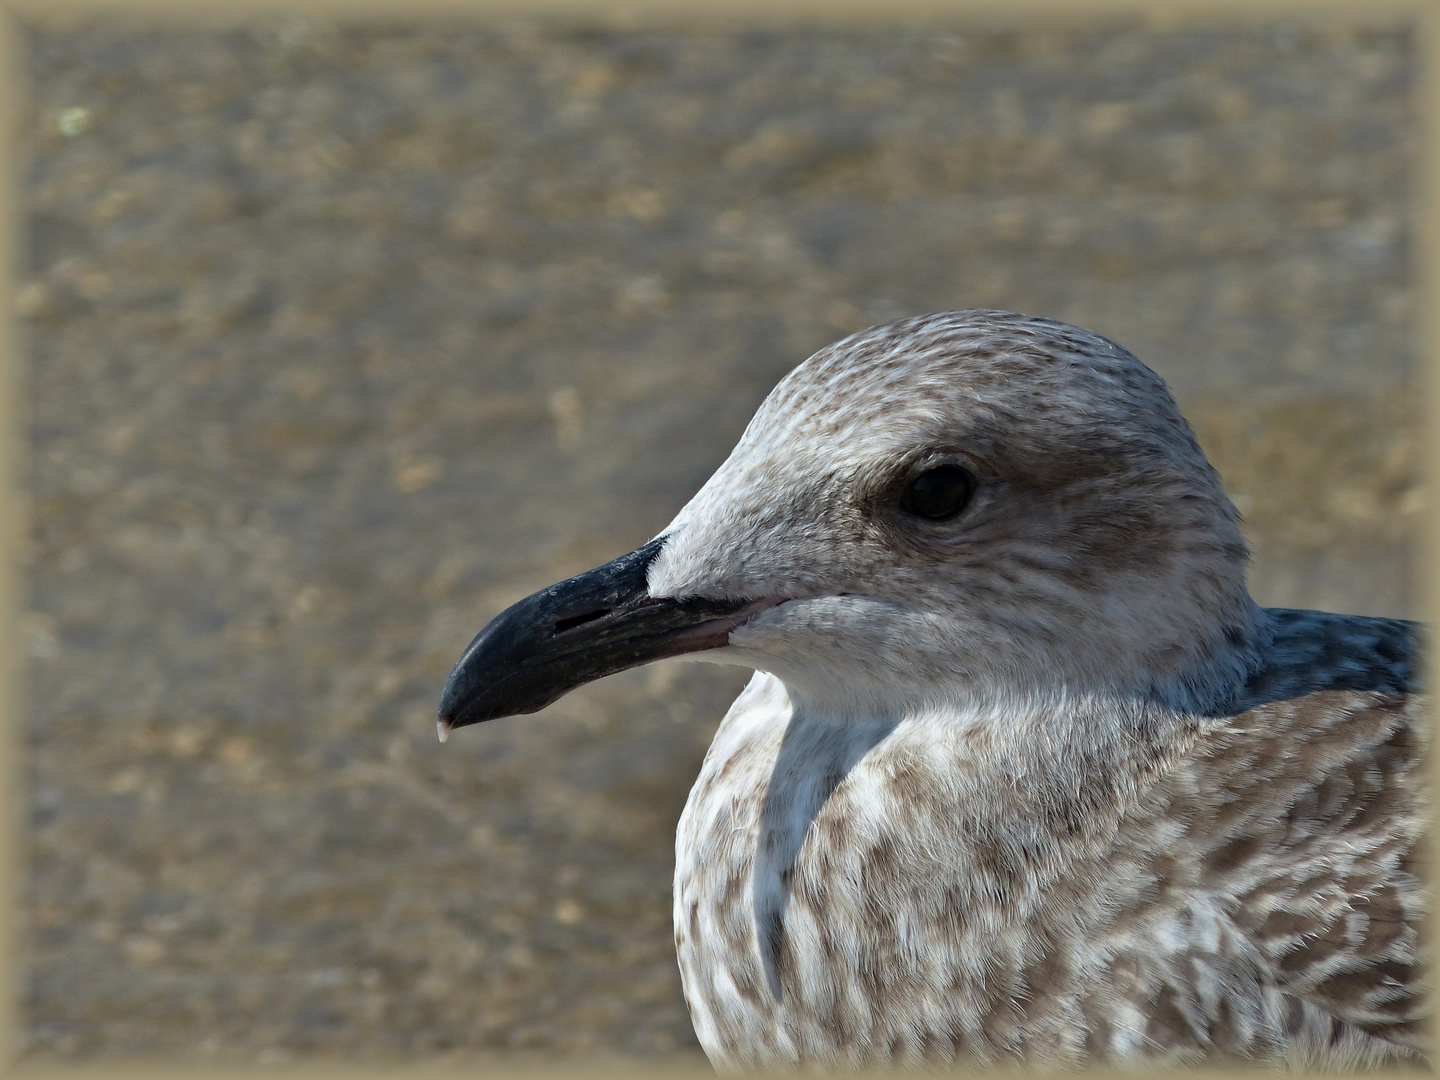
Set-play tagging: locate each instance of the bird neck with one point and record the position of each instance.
(1033, 784)
(1034, 732)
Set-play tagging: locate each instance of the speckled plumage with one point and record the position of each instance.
(1042, 784)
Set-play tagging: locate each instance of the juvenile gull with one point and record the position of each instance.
(1024, 774)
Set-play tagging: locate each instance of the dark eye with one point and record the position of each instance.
(939, 493)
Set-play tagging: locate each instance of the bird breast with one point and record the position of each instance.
(874, 893)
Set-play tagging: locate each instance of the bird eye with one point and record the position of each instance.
(939, 494)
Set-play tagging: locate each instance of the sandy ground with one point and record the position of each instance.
(341, 340)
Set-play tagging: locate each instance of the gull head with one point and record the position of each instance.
(938, 511)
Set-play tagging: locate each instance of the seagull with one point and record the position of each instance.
(1024, 775)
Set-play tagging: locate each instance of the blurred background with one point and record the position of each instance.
(340, 339)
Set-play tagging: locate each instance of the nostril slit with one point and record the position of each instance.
(561, 625)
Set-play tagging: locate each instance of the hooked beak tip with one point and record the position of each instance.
(443, 727)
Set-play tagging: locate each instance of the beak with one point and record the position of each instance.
(577, 631)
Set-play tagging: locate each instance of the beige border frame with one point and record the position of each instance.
(13, 500)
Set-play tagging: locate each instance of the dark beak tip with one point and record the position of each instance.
(447, 721)
(569, 634)
(454, 714)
